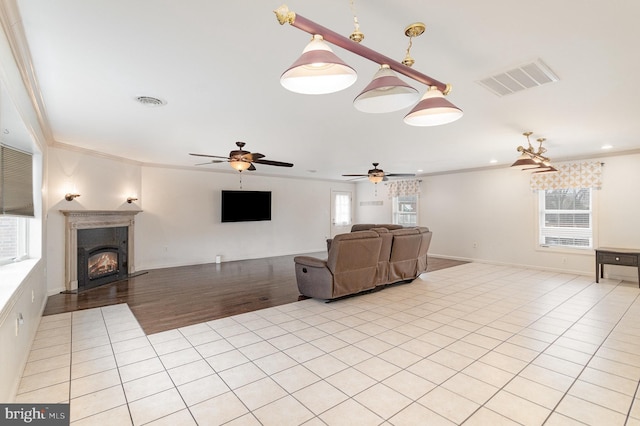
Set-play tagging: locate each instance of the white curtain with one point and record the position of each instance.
(579, 174)
(398, 188)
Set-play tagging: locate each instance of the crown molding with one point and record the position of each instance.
(14, 30)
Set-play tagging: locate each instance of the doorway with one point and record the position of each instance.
(341, 212)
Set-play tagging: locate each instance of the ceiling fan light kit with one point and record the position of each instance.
(241, 160)
(377, 175)
(320, 71)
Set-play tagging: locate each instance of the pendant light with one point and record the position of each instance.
(385, 93)
(318, 71)
(433, 110)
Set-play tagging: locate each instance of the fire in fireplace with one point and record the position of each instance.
(102, 256)
(103, 263)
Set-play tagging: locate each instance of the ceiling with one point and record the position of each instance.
(217, 66)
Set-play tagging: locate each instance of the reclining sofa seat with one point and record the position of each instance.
(350, 267)
(382, 270)
(408, 257)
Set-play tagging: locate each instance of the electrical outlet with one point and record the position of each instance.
(33, 296)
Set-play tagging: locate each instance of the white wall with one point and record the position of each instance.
(181, 220)
(496, 210)
(103, 184)
(372, 203)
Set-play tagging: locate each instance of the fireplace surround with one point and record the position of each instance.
(101, 256)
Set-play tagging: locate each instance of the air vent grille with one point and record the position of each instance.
(526, 76)
(150, 101)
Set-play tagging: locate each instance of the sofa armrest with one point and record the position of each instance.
(313, 262)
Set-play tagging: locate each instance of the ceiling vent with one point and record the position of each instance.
(150, 101)
(526, 76)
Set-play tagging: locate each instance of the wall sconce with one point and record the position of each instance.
(131, 199)
(69, 196)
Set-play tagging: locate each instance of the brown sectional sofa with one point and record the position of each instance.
(368, 257)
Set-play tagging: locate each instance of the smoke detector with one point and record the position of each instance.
(150, 101)
(525, 76)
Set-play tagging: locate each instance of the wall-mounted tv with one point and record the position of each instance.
(245, 206)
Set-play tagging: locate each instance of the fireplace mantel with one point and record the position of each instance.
(89, 219)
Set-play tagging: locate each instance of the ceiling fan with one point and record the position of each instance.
(241, 160)
(376, 175)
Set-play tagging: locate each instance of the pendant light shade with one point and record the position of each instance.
(432, 110)
(385, 93)
(524, 161)
(318, 71)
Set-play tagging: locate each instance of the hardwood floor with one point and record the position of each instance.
(168, 298)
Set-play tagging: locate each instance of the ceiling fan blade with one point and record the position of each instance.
(213, 162)
(273, 163)
(385, 178)
(252, 156)
(207, 155)
(399, 174)
(252, 167)
(356, 175)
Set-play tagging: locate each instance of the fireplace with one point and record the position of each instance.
(102, 256)
(99, 247)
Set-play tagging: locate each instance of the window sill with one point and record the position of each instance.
(12, 275)
(587, 251)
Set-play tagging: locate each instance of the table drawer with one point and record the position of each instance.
(618, 259)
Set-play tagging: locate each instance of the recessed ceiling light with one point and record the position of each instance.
(150, 101)
(419, 170)
(493, 161)
(607, 146)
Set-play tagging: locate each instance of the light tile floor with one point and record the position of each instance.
(475, 344)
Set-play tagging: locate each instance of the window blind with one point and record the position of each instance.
(16, 182)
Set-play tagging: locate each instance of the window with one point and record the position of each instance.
(405, 210)
(13, 238)
(565, 218)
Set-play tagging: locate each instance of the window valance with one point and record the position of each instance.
(579, 174)
(399, 188)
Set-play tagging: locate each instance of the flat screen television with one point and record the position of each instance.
(245, 206)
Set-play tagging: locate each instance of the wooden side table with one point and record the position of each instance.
(616, 256)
